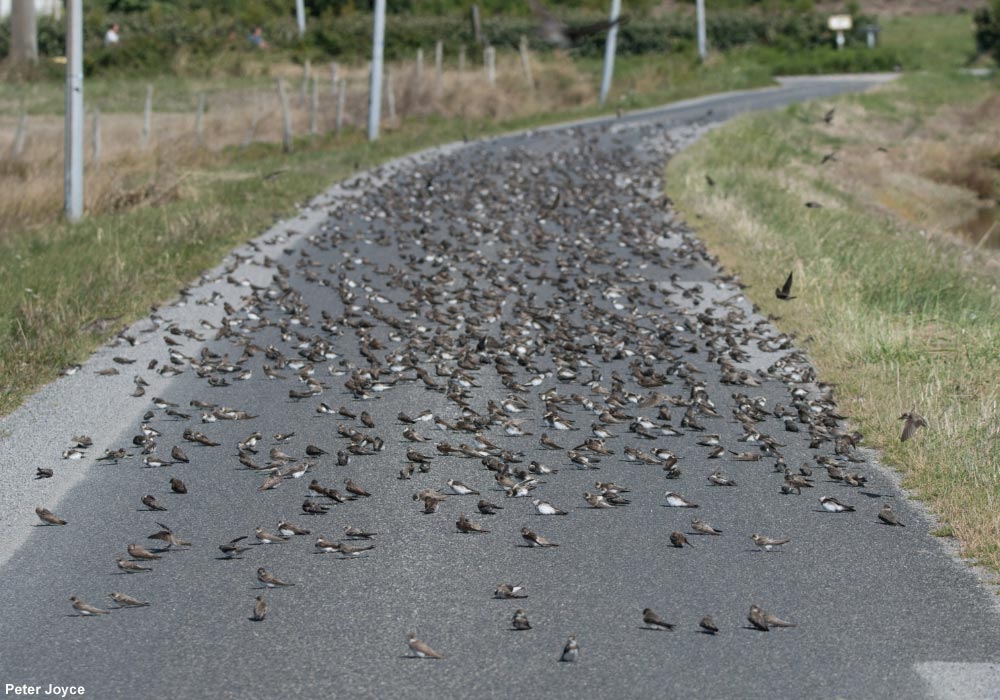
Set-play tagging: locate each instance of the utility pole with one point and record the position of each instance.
(23, 33)
(375, 88)
(609, 50)
(73, 152)
(300, 16)
(702, 42)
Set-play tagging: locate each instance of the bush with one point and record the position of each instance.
(987, 23)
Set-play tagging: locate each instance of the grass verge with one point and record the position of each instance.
(895, 308)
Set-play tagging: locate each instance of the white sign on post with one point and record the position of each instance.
(840, 23)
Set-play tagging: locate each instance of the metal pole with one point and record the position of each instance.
(609, 49)
(73, 152)
(300, 16)
(375, 89)
(702, 42)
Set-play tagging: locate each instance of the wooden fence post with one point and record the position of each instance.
(420, 68)
(341, 102)
(526, 62)
(438, 65)
(461, 58)
(147, 118)
(390, 95)
(286, 118)
(489, 58)
(314, 109)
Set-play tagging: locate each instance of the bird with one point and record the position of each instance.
(351, 487)
(356, 534)
(596, 500)
(328, 546)
(654, 621)
(165, 534)
(828, 117)
(420, 649)
(270, 581)
(520, 620)
(178, 486)
(506, 591)
(127, 601)
(232, 549)
(703, 528)
(150, 502)
(287, 529)
(913, 421)
(465, 525)
(131, 567)
(888, 516)
(784, 291)
(559, 34)
(266, 537)
(177, 454)
(351, 551)
(678, 540)
(571, 651)
(535, 540)
(756, 619)
(832, 505)
(768, 543)
(461, 489)
(141, 553)
(487, 508)
(708, 625)
(43, 473)
(259, 609)
(48, 517)
(86, 609)
(546, 508)
(675, 500)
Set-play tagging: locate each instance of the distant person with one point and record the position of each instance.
(257, 38)
(111, 38)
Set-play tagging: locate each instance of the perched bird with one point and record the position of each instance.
(828, 117)
(259, 609)
(141, 553)
(756, 619)
(43, 473)
(127, 601)
(784, 291)
(703, 528)
(232, 549)
(465, 525)
(596, 500)
(571, 651)
(352, 551)
(708, 625)
(270, 581)
(356, 534)
(487, 508)
(266, 537)
(678, 540)
(832, 505)
(535, 540)
(287, 529)
(888, 516)
(178, 486)
(420, 649)
(351, 487)
(767, 543)
(131, 567)
(913, 421)
(48, 517)
(546, 508)
(654, 621)
(506, 591)
(150, 502)
(177, 454)
(675, 500)
(461, 489)
(85, 609)
(520, 620)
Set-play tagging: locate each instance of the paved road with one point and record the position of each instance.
(465, 263)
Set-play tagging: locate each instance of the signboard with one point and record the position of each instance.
(840, 23)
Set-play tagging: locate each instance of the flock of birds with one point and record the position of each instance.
(557, 337)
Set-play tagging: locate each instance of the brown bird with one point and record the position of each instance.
(888, 516)
(127, 601)
(355, 489)
(178, 455)
(420, 649)
(913, 421)
(48, 517)
(708, 625)
(534, 539)
(259, 609)
(466, 525)
(86, 609)
(150, 502)
(654, 621)
(178, 486)
(138, 552)
(678, 540)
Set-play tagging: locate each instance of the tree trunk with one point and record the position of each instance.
(23, 33)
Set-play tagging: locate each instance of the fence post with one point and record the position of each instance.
(461, 58)
(489, 58)
(390, 95)
(306, 73)
(341, 102)
(334, 77)
(438, 65)
(526, 62)
(286, 118)
(147, 118)
(199, 118)
(420, 68)
(95, 138)
(477, 31)
(314, 109)
(21, 135)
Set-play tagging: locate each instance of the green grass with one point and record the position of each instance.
(893, 318)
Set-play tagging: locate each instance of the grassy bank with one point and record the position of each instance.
(898, 304)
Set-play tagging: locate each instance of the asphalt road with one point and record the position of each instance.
(461, 261)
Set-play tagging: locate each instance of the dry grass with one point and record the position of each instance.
(129, 175)
(895, 309)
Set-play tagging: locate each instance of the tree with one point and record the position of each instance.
(987, 21)
(23, 33)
